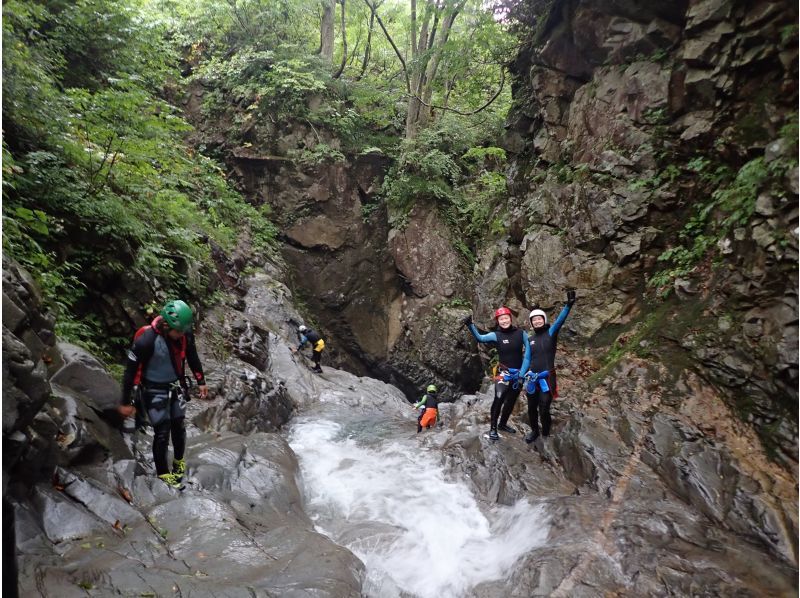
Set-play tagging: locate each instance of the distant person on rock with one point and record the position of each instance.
(513, 349)
(155, 366)
(307, 335)
(540, 386)
(429, 408)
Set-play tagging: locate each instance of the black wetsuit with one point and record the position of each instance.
(543, 356)
(513, 351)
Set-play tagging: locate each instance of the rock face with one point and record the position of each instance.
(624, 115)
(85, 509)
(379, 299)
(648, 492)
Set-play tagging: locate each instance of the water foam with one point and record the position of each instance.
(378, 492)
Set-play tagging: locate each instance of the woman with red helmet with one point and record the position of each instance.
(514, 353)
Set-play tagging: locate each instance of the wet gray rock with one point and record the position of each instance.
(84, 374)
(641, 497)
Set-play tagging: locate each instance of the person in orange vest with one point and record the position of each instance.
(429, 408)
(155, 367)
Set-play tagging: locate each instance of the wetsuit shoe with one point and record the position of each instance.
(507, 428)
(171, 480)
(179, 468)
(529, 437)
(493, 435)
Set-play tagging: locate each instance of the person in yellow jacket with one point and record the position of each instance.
(307, 335)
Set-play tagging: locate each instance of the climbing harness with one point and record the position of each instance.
(532, 378)
(510, 376)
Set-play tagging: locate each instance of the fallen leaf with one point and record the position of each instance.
(125, 493)
(117, 525)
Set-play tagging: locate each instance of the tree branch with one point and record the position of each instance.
(486, 105)
(368, 49)
(391, 41)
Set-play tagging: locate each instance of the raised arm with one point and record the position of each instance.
(489, 337)
(556, 326)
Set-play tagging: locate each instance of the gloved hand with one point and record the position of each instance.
(570, 297)
(467, 320)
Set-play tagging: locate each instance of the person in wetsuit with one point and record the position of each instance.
(156, 365)
(429, 405)
(307, 335)
(543, 356)
(513, 349)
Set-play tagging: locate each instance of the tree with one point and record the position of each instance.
(339, 72)
(326, 35)
(430, 34)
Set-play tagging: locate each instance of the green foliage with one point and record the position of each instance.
(730, 205)
(319, 154)
(789, 35)
(258, 82)
(97, 172)
(665, 177)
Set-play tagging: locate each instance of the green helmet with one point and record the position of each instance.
(177, 315)
(432, 389)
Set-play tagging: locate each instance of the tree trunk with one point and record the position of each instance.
(344, 47)
(425, 73)
(326, 30)
(368, 49)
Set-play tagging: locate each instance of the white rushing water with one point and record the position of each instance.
(370, 485)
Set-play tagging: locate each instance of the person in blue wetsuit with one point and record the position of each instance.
(514, 351)
(543, 355)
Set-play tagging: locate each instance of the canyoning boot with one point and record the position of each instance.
(529, 437)
(179, 468)
(493, 435)
(507, 428)
(171, 480)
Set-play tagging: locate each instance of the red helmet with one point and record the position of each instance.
(503, 311)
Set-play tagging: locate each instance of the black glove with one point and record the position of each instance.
(570, 297)
(467, 320)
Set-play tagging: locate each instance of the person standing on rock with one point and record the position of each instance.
(429, 405)
(307, 335)
(514, 351)
(541, 380)
(156, 365)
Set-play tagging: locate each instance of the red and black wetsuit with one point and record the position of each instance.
(156, 363)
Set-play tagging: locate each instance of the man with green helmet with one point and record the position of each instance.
(429, 408)
(155, 366)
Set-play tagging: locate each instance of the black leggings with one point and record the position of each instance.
(161, 442)
(539, 401)
(505, 395)
(316, 356)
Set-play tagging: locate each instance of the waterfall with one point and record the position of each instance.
(372, 485)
